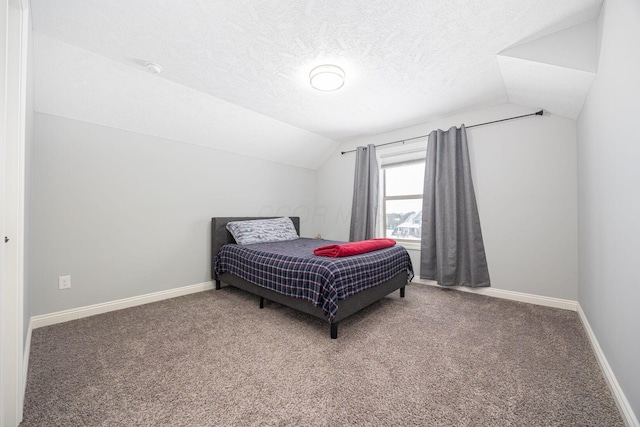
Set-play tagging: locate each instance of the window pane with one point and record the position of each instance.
(405, 179)
(403, 219)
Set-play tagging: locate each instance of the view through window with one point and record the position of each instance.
(402, 200)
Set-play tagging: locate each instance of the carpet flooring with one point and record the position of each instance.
(438, 357)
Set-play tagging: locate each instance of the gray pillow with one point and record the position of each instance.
(262, 230)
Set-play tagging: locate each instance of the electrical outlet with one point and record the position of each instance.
(64, 282)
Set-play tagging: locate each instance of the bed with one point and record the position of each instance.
(333, 305)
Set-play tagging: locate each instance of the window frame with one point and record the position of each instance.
(415, 243)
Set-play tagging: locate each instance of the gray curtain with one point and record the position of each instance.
(452, 250)
(364, 210)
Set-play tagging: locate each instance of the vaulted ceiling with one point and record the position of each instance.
(239, 70)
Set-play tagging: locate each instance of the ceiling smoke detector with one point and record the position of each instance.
(153, 68)
(327, 77)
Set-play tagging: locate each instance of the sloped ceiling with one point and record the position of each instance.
(236, 72)
(554, 71)
(78, 84)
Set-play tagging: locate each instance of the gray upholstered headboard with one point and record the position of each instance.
(220, 235)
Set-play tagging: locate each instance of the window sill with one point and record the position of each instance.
(410, 246)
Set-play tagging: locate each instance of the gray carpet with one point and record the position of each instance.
(435, 358)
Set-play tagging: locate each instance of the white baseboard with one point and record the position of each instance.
(90, 310)
(510, 295)
(618, 396)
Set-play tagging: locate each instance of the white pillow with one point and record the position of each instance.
(262, 230)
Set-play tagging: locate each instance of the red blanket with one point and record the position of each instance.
(353, 248)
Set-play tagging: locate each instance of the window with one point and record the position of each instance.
(402, 185)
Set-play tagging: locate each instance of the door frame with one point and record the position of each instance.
(12, 192)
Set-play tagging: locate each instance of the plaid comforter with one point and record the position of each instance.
(292, 269)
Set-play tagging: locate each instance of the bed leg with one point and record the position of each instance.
(402, 292)
(218, 285)
(261, 302)
(334, 331)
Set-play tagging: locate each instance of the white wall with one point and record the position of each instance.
(609, 206)
(524, 175)
(127, 214)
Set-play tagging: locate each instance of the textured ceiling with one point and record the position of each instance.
(406, 61)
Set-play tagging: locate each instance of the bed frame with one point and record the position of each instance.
(220, 236)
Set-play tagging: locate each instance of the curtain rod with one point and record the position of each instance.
(537, 113)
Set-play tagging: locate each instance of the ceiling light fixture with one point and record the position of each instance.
(327, 77)
(154, 68)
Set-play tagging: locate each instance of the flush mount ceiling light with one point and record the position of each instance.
(153, 68)
(327, 77)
